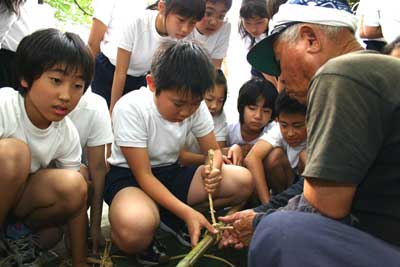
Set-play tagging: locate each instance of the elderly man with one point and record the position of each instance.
(350, 208)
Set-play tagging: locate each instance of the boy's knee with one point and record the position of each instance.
(73, 191)
(274, 159)
(246, 183)
(15, 158)
(132, 233)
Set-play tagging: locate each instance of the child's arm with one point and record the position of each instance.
(121, 70)
(139, 163)
(254, 162)
(96, 35)
(97, 169)
(77, 236)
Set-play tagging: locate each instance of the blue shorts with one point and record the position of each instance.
(104, 76)
(174, 177)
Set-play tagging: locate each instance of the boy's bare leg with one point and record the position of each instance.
(235, 187)
(278, 172)
(57, 196)
(15, 161)
(134, 218)
(51, 196)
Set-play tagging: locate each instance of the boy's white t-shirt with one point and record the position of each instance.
(235, 135)
(275, 138)
(217, 43)
(220, 131)
(137, 123)
(141, 38)
(115, 14)
(92, 120)
(59, 143)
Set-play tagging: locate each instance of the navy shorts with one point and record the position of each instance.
(174, 177)
(104, 76)
(8, 77)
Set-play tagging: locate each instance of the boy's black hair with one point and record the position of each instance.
(43, 49)
(186, 8)
(251, 91)
(287, 105)
(11, 6)
(220, 79)
(184, 66)
(227, 3)
(257, 8)
(391, 46)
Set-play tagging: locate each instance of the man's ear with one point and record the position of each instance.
(310, 35)
(150, 83)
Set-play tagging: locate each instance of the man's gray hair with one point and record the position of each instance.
(291, 34)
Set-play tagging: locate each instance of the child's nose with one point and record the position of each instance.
(64, 93)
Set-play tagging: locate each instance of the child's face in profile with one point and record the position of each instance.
(213, 19)
(256, 116)
(255, 26)
(215, 99)
(53, 95)
(293, 128)
(175, 106)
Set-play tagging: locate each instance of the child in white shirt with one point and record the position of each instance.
(280, 154)
(213, 30)
(140, 38)
(54, 70)
(92, 120)
(256, 113)
(215, 100)
(150, 128)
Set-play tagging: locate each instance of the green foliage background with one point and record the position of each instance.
(68, 12)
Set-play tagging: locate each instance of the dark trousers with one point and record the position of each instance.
(375, 45)
(104, 75)
(291, 238)
(8, 77)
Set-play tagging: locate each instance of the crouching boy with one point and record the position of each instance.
(150, 128)
(280, 154)
(54, 69)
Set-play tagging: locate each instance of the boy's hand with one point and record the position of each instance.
(235, 155)
(240, 236)
(212, 179)
(195, 221)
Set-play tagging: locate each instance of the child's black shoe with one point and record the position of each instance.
(153, 255)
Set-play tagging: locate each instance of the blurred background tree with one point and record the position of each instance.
(72, 11)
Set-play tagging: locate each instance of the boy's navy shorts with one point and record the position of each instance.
(104, 76)
(174, 177)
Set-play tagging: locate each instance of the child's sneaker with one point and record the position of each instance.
(153, 255)
(7, 259)
(25, 252)
(180, 232)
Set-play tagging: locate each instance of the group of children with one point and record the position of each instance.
(54, 139)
